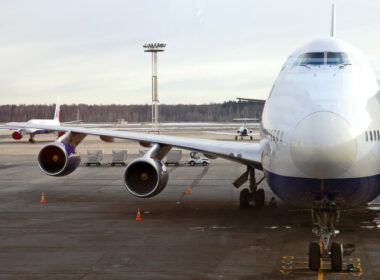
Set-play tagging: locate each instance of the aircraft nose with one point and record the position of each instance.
(323, 145)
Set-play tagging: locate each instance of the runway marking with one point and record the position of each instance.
(320, 270)
(297, 265)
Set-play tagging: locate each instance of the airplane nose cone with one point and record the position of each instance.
(323, 145)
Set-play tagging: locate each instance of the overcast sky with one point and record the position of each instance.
(89, 51)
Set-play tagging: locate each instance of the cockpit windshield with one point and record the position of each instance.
(316, 58)
(337, 58)
(324, 58)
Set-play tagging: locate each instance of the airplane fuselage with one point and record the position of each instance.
(43, 122)
(243, 131)
(320, 127)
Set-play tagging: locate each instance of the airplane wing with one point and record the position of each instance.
(244, 153)
(247, 119)
(87, 125)
(72, 122)
(251, 99)
(222, 133)
(232, 134)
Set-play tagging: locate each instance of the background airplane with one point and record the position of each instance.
(18, 134)
(319, 146)
(241, 132)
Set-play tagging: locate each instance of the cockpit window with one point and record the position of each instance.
(316, 58)
(323, 58)
(335, 58)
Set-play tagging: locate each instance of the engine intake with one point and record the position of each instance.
(58, 159)
(145, 177)
(17, 135)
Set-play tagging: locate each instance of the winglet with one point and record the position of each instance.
(333, 21)
(57, 108)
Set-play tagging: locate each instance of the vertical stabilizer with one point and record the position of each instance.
(333, 21)
(57, 108)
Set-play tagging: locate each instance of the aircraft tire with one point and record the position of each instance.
(336, 256)
(260, 198)
(314, 256)
(245, 197)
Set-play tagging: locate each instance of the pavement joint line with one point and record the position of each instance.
(195, 183)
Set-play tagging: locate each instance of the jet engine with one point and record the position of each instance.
(58, 159)
(145, 177)
(17, 135)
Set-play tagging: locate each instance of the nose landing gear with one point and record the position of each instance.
(325, 218)
(253, 194)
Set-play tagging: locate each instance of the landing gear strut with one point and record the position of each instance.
(325, 217)
(253, 193)
(31, 139)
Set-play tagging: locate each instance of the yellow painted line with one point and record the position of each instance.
(320, 270)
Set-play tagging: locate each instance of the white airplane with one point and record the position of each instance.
(240, 132)
(32, 131)
(325, 103)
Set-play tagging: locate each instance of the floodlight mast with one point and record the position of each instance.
(154, 48)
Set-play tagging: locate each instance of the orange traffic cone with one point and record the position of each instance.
(189, 190)
(43, 198)
(138, 217)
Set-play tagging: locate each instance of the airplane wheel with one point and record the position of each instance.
(314, 256)
(260, 198)
(245, 197)
(336, 257)
(235, 137)
(251, 138)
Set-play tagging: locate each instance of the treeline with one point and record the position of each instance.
(134, 113)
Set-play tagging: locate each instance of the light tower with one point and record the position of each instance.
(154, 48)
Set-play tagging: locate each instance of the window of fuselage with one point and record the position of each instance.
(317, 58)
(370, 136)
(366, 136)
(334, 58)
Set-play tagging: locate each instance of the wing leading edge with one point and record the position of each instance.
(244, 153)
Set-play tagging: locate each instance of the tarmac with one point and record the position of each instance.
(87, 228)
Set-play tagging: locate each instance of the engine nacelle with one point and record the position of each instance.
(145, 177)
(17, 135)
(58, 159)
